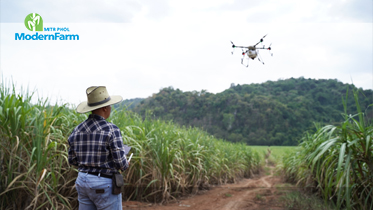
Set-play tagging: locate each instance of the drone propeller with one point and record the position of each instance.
(269, 48)
(233, 46)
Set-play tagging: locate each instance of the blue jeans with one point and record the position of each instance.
(95, 192)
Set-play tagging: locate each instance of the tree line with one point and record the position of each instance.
(270, 113)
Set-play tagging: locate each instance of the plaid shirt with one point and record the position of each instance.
(96, 146)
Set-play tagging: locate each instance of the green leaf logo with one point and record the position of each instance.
(34, 22)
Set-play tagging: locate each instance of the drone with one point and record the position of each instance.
(252, 51)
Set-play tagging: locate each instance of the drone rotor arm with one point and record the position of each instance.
(241, 47)
(264, 48)
(261, 40)
(261, 48)
(235, 46)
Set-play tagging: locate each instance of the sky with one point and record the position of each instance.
(136, 48)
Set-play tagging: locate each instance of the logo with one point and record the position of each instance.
(34, 22)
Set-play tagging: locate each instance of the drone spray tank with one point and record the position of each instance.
(252, 53)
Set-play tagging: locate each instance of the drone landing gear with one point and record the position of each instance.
(243, 54)
(244, 64)
(243, 58)
(259, 59)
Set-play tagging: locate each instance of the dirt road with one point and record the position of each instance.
(258, 193)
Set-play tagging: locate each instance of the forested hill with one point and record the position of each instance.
(271, 113)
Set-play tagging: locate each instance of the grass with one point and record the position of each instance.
(168, 160)
(267, 171)
(298, 200)
(259, 197)
(336, 161)
(228, 195)
(276, 152)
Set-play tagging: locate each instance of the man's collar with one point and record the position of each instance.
(96, 117)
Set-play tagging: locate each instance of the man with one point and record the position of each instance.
(96, 147)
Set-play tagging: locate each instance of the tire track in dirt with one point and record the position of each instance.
(259, 192)
(254, 188)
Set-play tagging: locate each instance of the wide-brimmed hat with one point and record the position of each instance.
(97, 97)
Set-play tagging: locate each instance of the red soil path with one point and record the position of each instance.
(262, 192)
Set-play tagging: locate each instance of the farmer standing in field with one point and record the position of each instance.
(97, 148)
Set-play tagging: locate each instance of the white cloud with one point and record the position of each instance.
(185, 45)
(70, 11)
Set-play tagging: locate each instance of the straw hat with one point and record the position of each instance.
(97, 97)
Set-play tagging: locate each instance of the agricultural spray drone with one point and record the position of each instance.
(252, 51)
